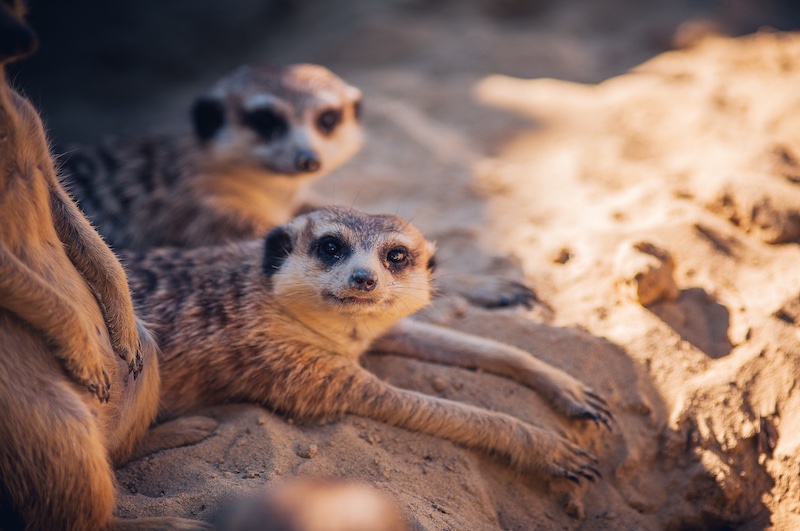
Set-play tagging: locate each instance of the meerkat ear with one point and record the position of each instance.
(278, 246)
(208, 116)
(354, 95)
(430, 247)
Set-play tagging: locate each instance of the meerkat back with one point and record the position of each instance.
(258, 138)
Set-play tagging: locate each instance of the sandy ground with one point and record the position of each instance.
(696, 152)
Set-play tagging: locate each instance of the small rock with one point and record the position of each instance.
(562, 256)
(307, 452)
(644, 272)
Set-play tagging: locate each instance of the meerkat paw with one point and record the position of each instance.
(573, 463)
(577, 401)
(92, 376)
(557, 457)
(488, 291)
(131, 344)
(127, 345)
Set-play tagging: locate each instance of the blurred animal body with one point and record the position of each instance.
(78, 373)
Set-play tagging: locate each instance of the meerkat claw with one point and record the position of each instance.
(136, 365)
(597, 417)
(101, 391)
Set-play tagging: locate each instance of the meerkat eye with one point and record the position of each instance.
(328, 120)
(267, 123)
(397, 255)
(331, 249)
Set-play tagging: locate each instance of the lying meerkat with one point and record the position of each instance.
(282, 322)
(258, 139)
(66, 325)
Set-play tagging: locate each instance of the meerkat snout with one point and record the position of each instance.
(363, 279)
(306, 161)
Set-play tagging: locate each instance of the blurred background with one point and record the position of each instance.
(123, 67)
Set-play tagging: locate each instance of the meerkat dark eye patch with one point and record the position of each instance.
(328, 120)
(330, 249)
(278, 246)
(267, 123)
(208, 117)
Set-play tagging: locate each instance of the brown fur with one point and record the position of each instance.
(283, 322)
(66, 325)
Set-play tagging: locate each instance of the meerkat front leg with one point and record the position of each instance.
(27, 295)
(352, 389)
(97, 264)
(441, 345)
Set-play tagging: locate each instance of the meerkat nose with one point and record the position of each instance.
(363, 279)
(306, 161)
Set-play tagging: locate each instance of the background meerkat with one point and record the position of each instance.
(65, 309)
(259, 137)
(283, 321)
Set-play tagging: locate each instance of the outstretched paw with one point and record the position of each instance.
(503, 293)
(577, 401)
(593, 407)
(573, 463)
(489, 291)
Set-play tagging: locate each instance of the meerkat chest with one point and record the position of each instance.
(266, 200)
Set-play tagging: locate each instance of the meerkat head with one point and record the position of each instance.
(333, 263)
(293, 121)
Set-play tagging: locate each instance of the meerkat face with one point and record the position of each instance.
(300, 120)
(336, 262)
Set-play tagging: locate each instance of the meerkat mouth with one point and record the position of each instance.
(350, 300)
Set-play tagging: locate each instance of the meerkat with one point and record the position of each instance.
(79, 381)
(258, 139)
(282, 322)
